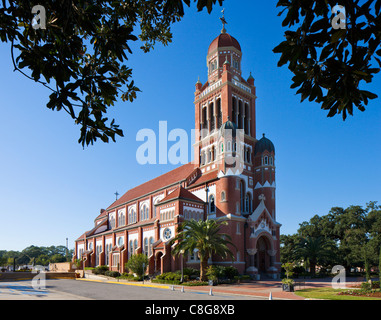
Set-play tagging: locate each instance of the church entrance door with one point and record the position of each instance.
(263, 257)
(158, 262)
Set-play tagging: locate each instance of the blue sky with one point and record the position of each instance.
(52, 189)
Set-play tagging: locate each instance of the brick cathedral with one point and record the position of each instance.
(232, 178)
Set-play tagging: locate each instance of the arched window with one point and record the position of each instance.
(146, 248)
(120, 242)
(150, 246)
(222, 147)
(203, 158)
(135, 246)
(247, 203)
(219, 114)
(132, 217)
(204, 122)
(234, 109)
(247, 115)
(107, 254)
(212, 205)
(131, 251)
(112, 222)
(121, 219)
(223, 196)
(242, 194)
(142, 213)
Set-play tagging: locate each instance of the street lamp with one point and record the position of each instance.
(182, 266)
(207, 200)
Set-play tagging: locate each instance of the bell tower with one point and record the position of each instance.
(225, 96)
(240, 168)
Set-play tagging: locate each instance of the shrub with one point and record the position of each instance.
(191, 272)
(100, 270)
(230, 272)
(288, 267)
(212, 273)
(196, 283)
(130, 277)
(367, 286)
(168, 278)
(222, 273)
(112, 274)
(288, 282)
(135, 264)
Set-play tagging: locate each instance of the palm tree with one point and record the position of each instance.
(205, 237)
(314, 249)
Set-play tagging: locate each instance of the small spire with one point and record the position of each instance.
(223, 21)
(198, 81)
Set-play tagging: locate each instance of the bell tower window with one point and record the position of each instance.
(212, 66)
(236, 64)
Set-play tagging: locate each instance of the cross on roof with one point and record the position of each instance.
(223, 21)
(116, 195)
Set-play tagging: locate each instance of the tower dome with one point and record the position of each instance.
(264, 145)
(224, 40)
(228, 125)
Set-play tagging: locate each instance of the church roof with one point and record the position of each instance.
(224, 40)
(175, 176)
(181, 193)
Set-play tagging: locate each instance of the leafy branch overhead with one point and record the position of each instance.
(330, 66)
(81, 55)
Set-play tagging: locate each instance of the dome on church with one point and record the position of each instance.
(228, 125)
(264, 145)
(222, 41)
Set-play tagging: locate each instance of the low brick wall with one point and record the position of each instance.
(18, 276)
(62, 267)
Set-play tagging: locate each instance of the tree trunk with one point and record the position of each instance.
(203, 267)
(313, 267)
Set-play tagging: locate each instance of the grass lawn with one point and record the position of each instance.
(329, 294)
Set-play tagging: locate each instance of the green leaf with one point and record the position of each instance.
(369, 94)
(339, 34)
(319, 25)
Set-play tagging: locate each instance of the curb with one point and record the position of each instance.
(126, 283)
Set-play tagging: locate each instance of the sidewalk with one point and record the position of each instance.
(273, 287)
(263, 289)
(260, 289)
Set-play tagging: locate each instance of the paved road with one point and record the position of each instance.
(89, 290)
